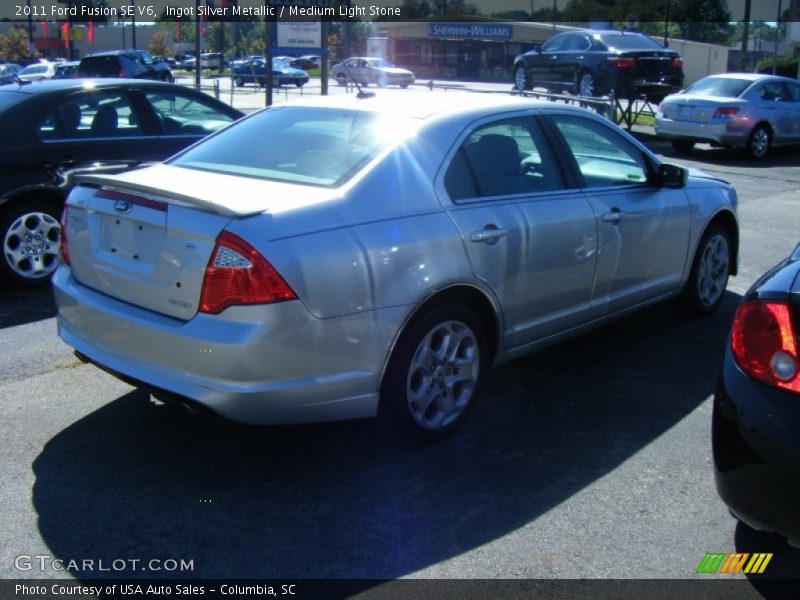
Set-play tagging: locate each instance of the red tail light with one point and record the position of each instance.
(237, 274)
(676, 63)
(64, 245)
(725, 112)
(622, 63)
(764, 344)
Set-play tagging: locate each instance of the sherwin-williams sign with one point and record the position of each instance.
(481, 31)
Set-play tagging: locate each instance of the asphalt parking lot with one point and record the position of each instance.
(587, 460)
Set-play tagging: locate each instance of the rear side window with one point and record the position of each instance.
(502, 158)
(92, 116)
(603, 156)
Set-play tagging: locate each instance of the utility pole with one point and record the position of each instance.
(31, 46)
(777, 38)
(666, 26)
(555, 11)
(197, 44)
(267, 56)
(745, 36)
(133, 24)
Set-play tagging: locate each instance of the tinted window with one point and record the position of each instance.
(99, 66)
(720, 86)
(794, 90)
(95, 115)
(577, 42)
(603, 156)
(182, 114)
(554, 44)
(315, 146)
(630, 42)
(502, 158)
(773, 91)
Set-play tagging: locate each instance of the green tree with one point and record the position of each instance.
(702, 20)
(14, 46)
(158, 44)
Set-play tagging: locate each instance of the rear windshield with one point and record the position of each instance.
(314, 146)
(720, 86)
(630, 42)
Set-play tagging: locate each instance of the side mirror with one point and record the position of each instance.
(672, 176)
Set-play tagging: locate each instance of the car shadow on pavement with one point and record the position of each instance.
(784, 564)
(19, 305)
(352, 499)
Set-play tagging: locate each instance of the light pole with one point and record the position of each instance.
(133, 24)
(777, 38)
(666, 26)
(555, 10)
(31, 46)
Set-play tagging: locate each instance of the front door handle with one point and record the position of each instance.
(487, 235)
(615, 216)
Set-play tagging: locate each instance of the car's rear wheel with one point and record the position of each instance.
(759, 142)
(434, 371)
(31, 236)
(238, 81)
(341, 79)
(683, 146)
(521, 81)
(299, 83)
(586, 84)
(709, 275)
(404, 85)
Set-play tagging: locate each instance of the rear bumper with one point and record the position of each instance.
(268, 364)
(757, 452)
(717, 133)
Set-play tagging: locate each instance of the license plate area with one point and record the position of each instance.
(130, 240)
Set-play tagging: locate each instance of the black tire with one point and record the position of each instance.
(341, 79)
(521, 80)
(759, 142)
(404, 85)
(238, 81)
(683, 146)
(30, 271)
(708, 278)
(432, 424)
(299, 83)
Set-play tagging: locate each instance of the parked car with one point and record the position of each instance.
(594, 63)
(343, 253)
(9, 72)
(741, 110)
(38, 71)
(185, 61)
(306, 63)
(756, 417)
(366, 70)
(55, 130)
(254, 71)
(67, 70)
(133, 64)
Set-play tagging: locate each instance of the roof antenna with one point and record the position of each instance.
(361, 93)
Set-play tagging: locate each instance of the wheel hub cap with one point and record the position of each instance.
(32, 245)
(713, 273)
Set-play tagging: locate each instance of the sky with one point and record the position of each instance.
(765, 10)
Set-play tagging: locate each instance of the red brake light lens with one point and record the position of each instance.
(622, 63)
(64, 245)
(237, 274)
(676, 63)
(764, 344)
(725, 112)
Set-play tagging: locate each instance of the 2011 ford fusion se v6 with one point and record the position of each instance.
(323, 260)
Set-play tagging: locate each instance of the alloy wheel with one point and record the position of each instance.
(712, 276)
(32, 245)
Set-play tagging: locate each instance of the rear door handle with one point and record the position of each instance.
(487, 235)
(615, 216)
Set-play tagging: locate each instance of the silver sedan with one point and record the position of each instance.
(380, 253)
(742, 110)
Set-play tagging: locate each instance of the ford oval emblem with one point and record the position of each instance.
(122, 206)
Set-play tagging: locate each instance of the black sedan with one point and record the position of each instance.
(756, 422)
(594, 63)
(54, 130)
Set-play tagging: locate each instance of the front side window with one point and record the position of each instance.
(501, 158)
(181, 114)
(603, 156)
(313, 146)
(94, 115)
(554, 44)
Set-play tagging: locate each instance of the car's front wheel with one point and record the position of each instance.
(710, 271)
(341, 79)
(238, 81)
(31, 236)
(521, 81)
(434, 371)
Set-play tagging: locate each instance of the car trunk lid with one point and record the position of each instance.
(149, 244)
(695, 109)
